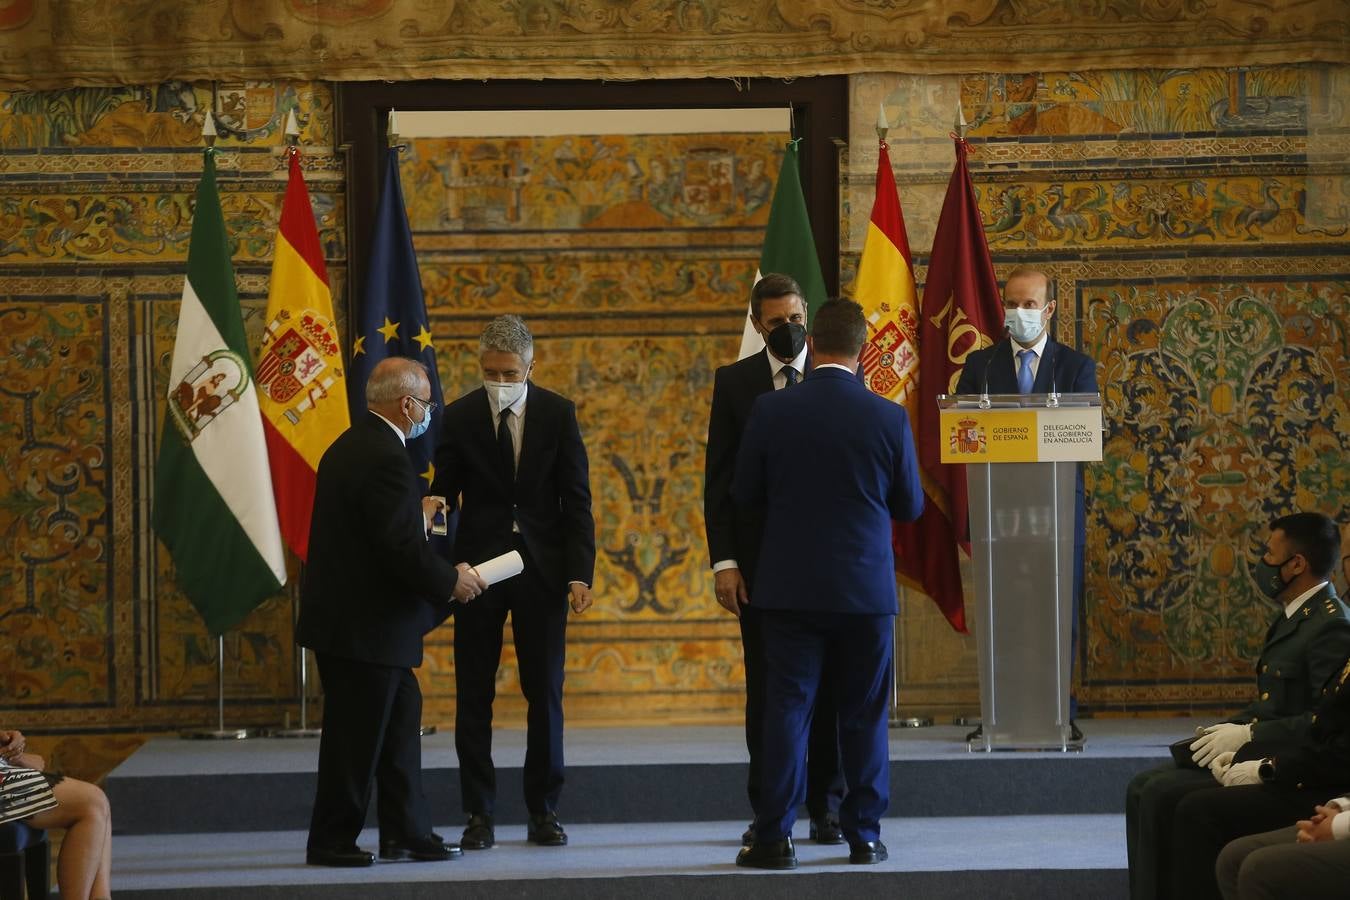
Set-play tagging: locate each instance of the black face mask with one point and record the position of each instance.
(787, 340)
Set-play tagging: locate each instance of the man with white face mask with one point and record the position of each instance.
(1028, 361)
(512, 461)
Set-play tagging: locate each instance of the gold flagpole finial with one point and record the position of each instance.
(882, 125)
(392, 131)
(960, 121)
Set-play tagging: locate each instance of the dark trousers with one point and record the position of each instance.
(855, 651)
(372, 716)
(1273, 866)
(1150, 813)
(1207, 820)
(538, 627)
(824, 781)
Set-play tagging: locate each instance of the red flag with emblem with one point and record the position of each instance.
(962, 311)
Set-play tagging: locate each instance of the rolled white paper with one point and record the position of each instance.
(500, 568)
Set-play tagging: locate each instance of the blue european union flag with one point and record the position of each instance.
(393, 313)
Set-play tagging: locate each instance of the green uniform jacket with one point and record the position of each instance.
(1301, 655)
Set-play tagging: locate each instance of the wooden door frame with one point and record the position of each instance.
(819, 111)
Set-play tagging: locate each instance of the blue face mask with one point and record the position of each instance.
(420, 428)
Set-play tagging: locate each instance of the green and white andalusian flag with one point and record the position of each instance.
(213, 503)
(789, 247)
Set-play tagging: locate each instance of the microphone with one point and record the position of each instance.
(1053, 400)
(984, 376)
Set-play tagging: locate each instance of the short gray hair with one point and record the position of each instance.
(508, 334)
(394, 377)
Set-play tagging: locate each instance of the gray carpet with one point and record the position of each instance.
(1034, 856)
(617, 775)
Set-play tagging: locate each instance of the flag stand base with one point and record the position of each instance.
(218, 734)
(426, 730)
(912, 722)
(295, 733)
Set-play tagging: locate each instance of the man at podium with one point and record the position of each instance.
(1028, 361)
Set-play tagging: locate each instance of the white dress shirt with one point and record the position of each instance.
(1037, 348)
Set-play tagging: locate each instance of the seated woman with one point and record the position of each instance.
(83, 868)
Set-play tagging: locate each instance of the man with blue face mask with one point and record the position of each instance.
(373, 588)
(1029, 361)
(512, 461)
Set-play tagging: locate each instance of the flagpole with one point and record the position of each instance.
(392, 141)
(220, 732)
(897, 717)
(304, 731)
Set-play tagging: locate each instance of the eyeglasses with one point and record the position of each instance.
(428, 405)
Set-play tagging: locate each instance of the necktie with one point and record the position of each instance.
(1024, 374)
(790, 376)
(506, 449)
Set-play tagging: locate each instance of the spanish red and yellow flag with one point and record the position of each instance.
(301, 384)
(884, 288)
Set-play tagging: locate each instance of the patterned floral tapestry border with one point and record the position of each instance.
(94, 42)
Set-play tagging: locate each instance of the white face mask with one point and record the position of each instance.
(1025, 325)
(503, 393)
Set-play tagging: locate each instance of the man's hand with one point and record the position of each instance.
(1218, 739)
(1219, 765)
(730, 589)
(1242, 773)
(430, 506)
(579, 596)
(469, 584)
(1318, 828)
(12, 744)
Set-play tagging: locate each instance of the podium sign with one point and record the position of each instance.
(1000, 435)
(1022, 453)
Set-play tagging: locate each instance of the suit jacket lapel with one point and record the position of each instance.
(1045, 368)
(762, 382)
(529, 434)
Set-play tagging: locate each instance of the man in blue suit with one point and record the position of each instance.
(831, 465)
(1030, 362)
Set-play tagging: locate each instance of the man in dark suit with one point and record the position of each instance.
(1306, 645)
(512, 461)
(779, 315)
(372, 589)
(831, 465)
(1030, 362)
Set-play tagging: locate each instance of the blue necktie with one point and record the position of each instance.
(1025, 376)
(789, 377)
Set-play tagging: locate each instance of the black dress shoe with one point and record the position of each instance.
(826, 830)
(346, 858)
(478, 834)
(976, 734)
(866, 853)
(1075, 733)
(748, 837)
(423, 849)
(768, 855)
(546, 831)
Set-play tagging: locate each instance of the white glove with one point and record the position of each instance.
(1242, 773)
(1218, 766)
(1218, 739)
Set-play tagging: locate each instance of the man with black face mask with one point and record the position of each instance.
(779, 315)
(1305, 648)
